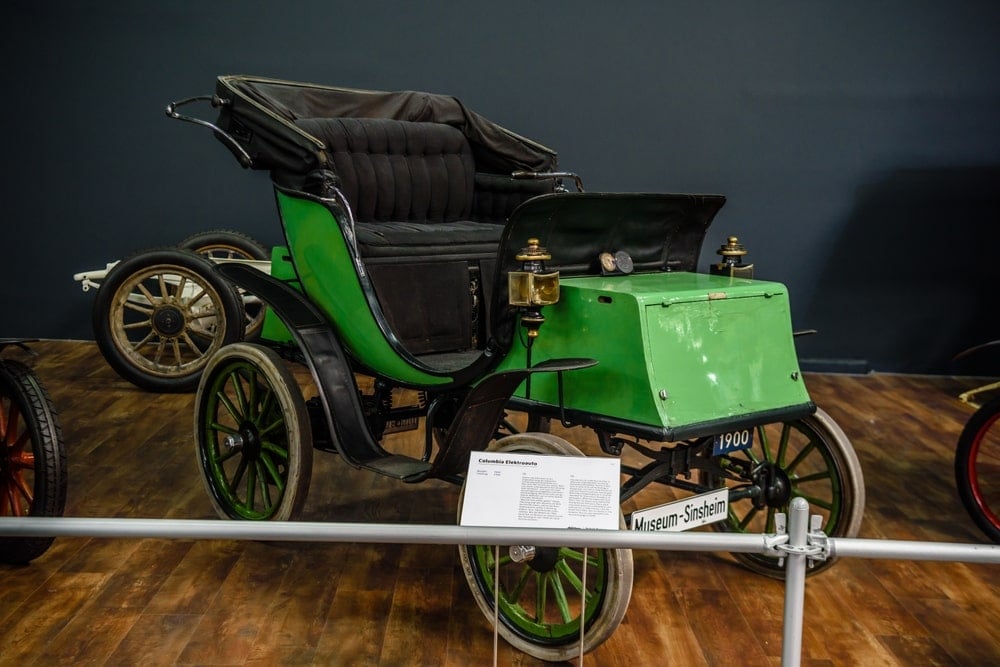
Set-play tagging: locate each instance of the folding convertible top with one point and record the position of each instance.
(260, 114)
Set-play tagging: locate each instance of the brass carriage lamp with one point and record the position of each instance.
(532, 287)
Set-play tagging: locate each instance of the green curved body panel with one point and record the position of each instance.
(326, 273)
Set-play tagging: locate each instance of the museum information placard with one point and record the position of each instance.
(540, 491)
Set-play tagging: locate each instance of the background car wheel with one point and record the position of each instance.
(32, 458)
(159, 315)
(224, 244)
(977, 468)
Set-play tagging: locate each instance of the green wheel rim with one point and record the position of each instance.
(812, 473)
(543, 606)
(246, 452)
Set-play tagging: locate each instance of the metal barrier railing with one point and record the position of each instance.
(797, 545)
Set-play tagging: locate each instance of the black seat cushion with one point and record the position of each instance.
(392, 170)
(462, 239)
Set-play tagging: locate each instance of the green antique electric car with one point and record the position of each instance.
(431, 251)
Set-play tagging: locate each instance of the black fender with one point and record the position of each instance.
(480, 413)
(326, 359)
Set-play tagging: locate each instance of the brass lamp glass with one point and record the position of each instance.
(526, 289)
(532, 286)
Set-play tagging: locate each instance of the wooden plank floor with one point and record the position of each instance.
(163, 602)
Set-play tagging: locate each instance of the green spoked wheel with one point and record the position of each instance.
(32, 458)
(809, 458)
(252, 435)
(542, 595)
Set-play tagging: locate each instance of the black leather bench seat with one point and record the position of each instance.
(427, 224)
(463, 239)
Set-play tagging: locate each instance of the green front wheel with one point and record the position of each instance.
(542, 595)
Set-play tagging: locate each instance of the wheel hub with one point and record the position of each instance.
(247, 440)
(540, 559)
(168, 320)
(774, 484)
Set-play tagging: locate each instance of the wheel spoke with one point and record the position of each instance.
(19, 484)
(190, 343)
(251, 485)
(196, 298)
(241, 399)
(159, 351)
(765, 447)
(265, 492)
(274, 448)
(12, 502)
(25, 460)
(786, 431)
(814, 477)
(746, 519)
(148, 296)
(267, 402)
(180, 287)
(177, 352)
(577, 555)
(147, 311)
(278, 422)
(146, 339)
(541, 592)
(559, 595)
(202, 315)
(164, 289)
(235, 413)
(10, 427)
(569, 575)
(272, 471)
(769, 526)
(801, 456)
(516, 592)
(241, 469)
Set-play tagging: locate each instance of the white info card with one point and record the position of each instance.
(539, 491)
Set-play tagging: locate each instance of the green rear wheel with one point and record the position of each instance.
(542, 599)
(252, 435)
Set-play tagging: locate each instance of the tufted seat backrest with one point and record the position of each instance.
(392, 170)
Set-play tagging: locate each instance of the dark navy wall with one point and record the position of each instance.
(858, 142)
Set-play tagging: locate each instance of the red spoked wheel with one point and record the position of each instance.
(32, 458)
(977, 468)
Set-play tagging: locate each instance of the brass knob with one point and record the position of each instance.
(533, 252)
(732, 248)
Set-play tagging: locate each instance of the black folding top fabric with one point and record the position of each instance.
(260, 114)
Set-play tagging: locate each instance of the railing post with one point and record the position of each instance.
(796, 553)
